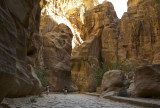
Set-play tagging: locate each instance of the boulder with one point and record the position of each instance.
(147, 81)
(131, 88)
(112, 80)
(156, 59)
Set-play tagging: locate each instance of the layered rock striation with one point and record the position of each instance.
(100, 30)
(139, 32)
(82, 61)
(19, 25)
(133, 40)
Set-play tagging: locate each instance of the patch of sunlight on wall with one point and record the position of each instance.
(57, 10)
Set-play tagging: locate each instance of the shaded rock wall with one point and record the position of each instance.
(57, 50)
(147, 81)
(19, 25)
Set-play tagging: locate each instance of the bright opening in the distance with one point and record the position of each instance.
(120, 6)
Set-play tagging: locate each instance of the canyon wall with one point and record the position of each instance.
(18, 35)
(69, 12)
(133, 40)
(57, 48)
(100, 31)
(140, 32)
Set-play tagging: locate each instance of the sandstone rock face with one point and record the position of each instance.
(97, 18)
(100, 23)
(134, 39)
(83, 58)
(140, 31)
(20, 23)
(112, 79)
(147, 81)
(69, 12)
(57, 49)
(8, 38)
(156, 59)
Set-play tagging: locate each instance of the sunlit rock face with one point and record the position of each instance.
(140, 32)
(19, 31)
(69, 12)
(132, 2)
(134, 39)
(102, 20)
(83, 59)
(99, 32)
(57, 56)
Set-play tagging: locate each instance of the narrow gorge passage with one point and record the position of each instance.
(69, 101)
(82, 46)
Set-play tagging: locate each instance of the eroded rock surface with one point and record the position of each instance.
(112, 80)
(57, 50)
(19, 23)
(100, 24)
(140, 32)
(8, 36)
(83, 59)
(147, 81)
(132, 40)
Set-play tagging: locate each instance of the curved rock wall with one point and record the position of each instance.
(19, 24)
(133, 39)
(57, 50)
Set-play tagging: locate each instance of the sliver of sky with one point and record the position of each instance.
(120, 6)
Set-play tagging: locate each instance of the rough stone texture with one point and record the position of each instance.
(69, 12)
(8, 38)
(147, 81)
(83, 58)
(134, 39)
(99, 24)
(156, 59)
(112, 79)
(75, 17)
(131, 89)
(140, 32)
(97, 18)
(57, 53)
(19, 22)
